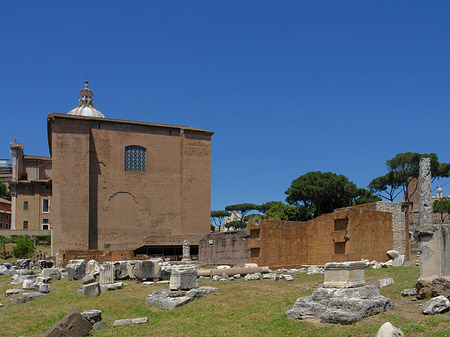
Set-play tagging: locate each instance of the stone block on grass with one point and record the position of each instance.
(73, 324)
(89, 290)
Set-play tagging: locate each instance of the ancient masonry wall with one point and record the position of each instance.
(398, 225)
(224, 248)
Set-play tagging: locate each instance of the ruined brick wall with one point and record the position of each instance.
(278, 243)
(400, 234)
(348, 234)
(100, 206)
(224, 248)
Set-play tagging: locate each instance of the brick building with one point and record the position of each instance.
(125, 186)
(5, 214)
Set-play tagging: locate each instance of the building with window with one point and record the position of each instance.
(122, 186)
(5, 214)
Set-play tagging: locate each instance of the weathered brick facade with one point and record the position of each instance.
(98, 205)
(348, 234)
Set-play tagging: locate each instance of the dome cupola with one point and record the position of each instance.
(86, 104)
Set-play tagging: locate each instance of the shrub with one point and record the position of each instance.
(24, 248)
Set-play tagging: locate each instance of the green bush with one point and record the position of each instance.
(24, 248)
(43, 240)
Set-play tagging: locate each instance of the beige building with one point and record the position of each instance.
(121, 185)
(30, 191)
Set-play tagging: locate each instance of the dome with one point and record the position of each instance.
(439, 190)
(86, 104)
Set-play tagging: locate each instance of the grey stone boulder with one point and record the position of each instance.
(22, 272)
(171, 303)
(4, 270)
(89, 290)
(441, 286)
(287, 277)
(99, 325)
(43, 287)
(340, 305)
(53, 273)
(409, 292)
(43, 279)
(398, 261)
(92, 316)
(252, 277)
(170, 300)
(72, 324)
(76, 269)
(10, 292)
(120, 270)
(384, 282)
(388, 330)
(88, 278)
(127, 321)
(436, 305)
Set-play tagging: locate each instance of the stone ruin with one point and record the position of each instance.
(344, 298)
(183, 288)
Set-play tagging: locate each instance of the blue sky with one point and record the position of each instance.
(288, 87)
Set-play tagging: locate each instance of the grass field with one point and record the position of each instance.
(254, 308)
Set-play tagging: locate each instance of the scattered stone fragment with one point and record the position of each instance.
(268, 275)
(392, 253)
(374, 265)
(387, 264)
(112, 286)
(436, 305)
(89, 290)
(43, 287)
(76, 269)
(340, 305)
(183, 278)
(409, 292)
(388, 330)
(106, 273)
(92, 315)
(147, 269)
(236, 276)
(10, 292)
(92, 267)
(26, 297)
(23, 264)
(434, 285)
(384, 282)
(53, 273)
(18, 279)
(43, 279)
(99, 325)
(45, 264)
(88, 278)
(287, 277)
(139, 320)
(169, 300)
(251, 265)
(4, 270)
(27, 284)
(254, 276)
(163, 282)
(398, 261)
(223, 267)
(72, 324)
(1, 305)
(148, 282)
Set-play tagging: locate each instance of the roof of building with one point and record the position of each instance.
(36, 157)
(86, 104)
(6, 201)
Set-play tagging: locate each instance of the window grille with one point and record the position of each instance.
(134, 158)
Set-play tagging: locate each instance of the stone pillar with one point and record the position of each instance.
(17, 153)
(425, 193)
(186, 251)
(106, 273)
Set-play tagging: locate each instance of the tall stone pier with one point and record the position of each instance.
(425, 192)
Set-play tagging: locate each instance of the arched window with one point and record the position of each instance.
(135, 158)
